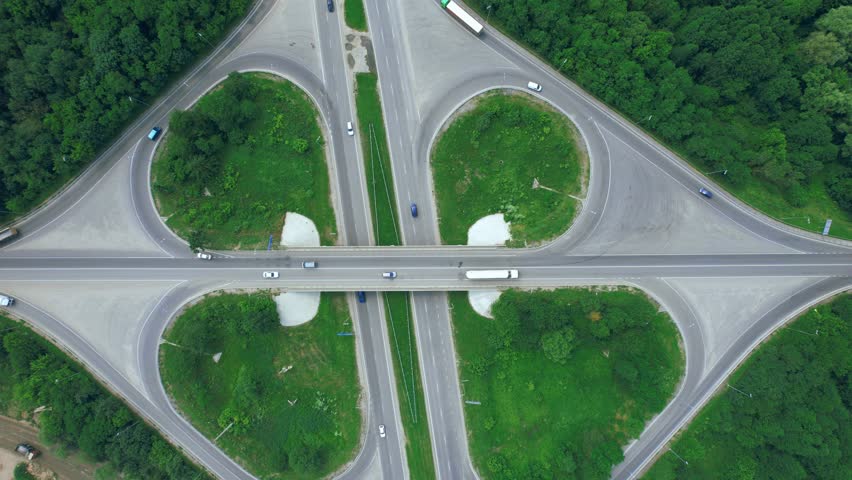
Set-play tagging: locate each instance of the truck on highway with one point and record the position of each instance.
(27, 451)
(7, 234)
(462, 16)
(490, 274)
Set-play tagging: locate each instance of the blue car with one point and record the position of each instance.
(705, 192)
(414, 210)
(154, 133)
(362, 297)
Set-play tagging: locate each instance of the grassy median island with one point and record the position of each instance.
(230, 169)
(565, 379)
(296, 423)
(797, 422)
(486, 163)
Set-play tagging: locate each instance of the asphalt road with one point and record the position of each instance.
(355, 267)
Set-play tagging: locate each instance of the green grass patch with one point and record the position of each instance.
(297, 423)
(796, 423)
(486, 163)
(565, 378)
(811, 216)
(356, 17)
(418, 446)
(247, 153)
(377, 159)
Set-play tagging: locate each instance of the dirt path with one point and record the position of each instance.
(13, 432)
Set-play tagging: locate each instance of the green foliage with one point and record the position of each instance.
(81, 414)
(797, 422)
(418, 446)
(377, 162)
(487, 161)
(760, 88)
(565, 378)
(354, 14)
(250, 390)
(69, 70)
(21, 472)
(223, 178)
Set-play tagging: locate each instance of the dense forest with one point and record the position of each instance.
(74, 72)
(760, 88)
(790, 417)
(80, 414)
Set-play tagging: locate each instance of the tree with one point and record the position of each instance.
(557, 345)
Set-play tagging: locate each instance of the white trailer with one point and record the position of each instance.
(7, 233)
(462, 16)
(490, 274)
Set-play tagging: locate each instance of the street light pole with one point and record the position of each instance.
(137, 101)
(562, 64)
(740, 391)
(488, 8)
(723, 172)
(679, 457)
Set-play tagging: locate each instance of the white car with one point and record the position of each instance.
(204, 256)
(382, 431)
(349, 130)
(389, 275)
(270, 274)
(534, 86)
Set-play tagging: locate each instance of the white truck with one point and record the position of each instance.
(490, 274)
(7, 234)
(6, 301)
(462, 16)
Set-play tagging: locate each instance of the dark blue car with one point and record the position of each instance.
(414, 210)
(362, 297)
(330, 5)
(705, 192)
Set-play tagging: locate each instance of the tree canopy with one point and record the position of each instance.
(81, 413)
(74, 72)
(758, 87)
(794, 423)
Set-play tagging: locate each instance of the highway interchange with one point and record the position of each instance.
(727, 275)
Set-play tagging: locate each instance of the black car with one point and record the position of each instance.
(330, 5)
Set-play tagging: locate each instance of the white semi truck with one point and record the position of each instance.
(462, 16)
(490, 274)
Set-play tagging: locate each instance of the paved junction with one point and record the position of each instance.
(97, 270)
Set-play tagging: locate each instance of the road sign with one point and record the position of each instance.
(344, 334)
(269, 245)
(827, 226)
